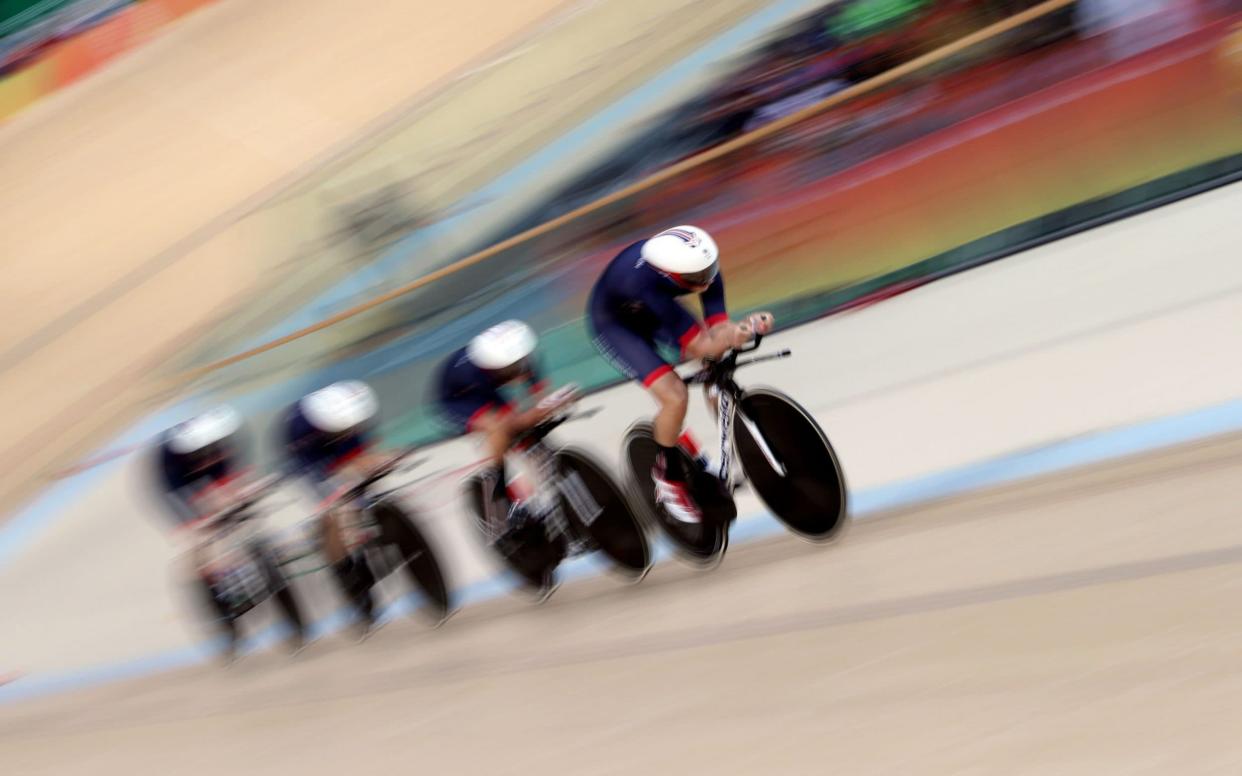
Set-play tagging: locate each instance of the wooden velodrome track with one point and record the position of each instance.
(1082, 624)
(1078, 623)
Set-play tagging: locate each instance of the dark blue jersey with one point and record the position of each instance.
(465, 392)
(320, 453)
(189, 473)
(634, 306)
(641, 298)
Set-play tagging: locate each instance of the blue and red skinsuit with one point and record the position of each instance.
(182, 478)
(319, 455)
(465, 392)
(633, 307)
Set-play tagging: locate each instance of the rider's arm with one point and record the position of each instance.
(677, 322)
(695, 340)
(209, 496)
(714, 310)
(216, 487)
(515, 422)
(357, 456)
(727, 334)
(501, 425)
(533, 379)
(714, 342)
(361, 465)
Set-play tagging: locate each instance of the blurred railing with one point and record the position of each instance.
(650, 182)
(956, 156)
(475, 135)
(424, 182)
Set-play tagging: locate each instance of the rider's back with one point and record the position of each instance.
(178, 470)
(458, 376)
(307, 446)
(627, 280)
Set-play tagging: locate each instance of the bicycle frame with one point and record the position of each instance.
(551, 483)
(547, 486)
(224, 552)
(228, 558)
(302, 541)
(717, 379)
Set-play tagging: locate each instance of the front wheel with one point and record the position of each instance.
(598, 508)
(704, 543)
(416, 556)
(790, 463)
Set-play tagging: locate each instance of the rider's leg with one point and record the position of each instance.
(217, 606)
(207, 594)
(498, 506)
(351, 570)
(282, 592)
(690, 445)
(635, 355)
(333, 536)
(497, 438)
(220, 614)
(472, 414)
(670, 393)
(671, 475)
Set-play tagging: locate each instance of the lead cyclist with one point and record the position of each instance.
(633, 308)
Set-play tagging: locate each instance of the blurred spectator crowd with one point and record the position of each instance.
(28, 27)
(847, 42)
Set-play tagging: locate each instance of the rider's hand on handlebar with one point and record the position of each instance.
(761, 322)
(558, 400)
(755, 323)
(742, 333)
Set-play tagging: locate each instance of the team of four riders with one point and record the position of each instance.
(328, 435)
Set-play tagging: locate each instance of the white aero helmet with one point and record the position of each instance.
(340, 406)
(202, 431)
(686, 253)
(502, 346)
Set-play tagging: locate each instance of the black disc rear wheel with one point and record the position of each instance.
(529, 552)
(790, 464)
(703, 544)
(417, 557)
(600, 509)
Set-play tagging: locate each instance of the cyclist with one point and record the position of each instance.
(468, 390)
(328, 438)
(199, 468)
(633, 309)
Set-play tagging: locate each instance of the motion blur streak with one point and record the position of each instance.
(988, 461)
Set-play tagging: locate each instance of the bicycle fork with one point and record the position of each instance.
(729, 409)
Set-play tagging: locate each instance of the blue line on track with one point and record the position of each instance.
(1041, 461)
